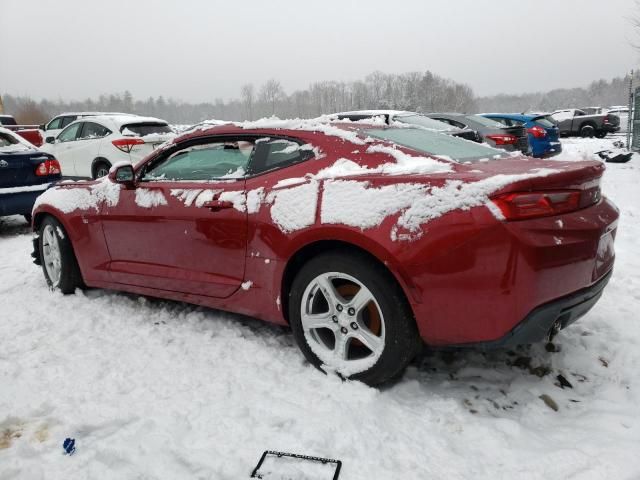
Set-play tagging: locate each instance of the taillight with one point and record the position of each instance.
(127, 144)
(537, 132)
(523, 205)
(48, 167)
(503, 139)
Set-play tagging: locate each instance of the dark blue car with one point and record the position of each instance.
(543, 133)
(25, 172)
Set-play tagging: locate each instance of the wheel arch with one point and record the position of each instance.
(312, 249)
(97, 161)
(588, 123)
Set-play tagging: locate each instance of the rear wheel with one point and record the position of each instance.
(101, 169)
(587, 131)
(59, 262)
(27, 217)
(601, 134)
(348, 315)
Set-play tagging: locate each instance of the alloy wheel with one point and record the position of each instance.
(342, 323)
(51, 254)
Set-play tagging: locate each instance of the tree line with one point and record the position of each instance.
(414, 91)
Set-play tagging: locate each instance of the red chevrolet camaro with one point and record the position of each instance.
(368, 240)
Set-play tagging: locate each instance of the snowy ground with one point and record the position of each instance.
(153, 389)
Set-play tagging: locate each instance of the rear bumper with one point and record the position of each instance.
(481, 286)
(539, 323)
(19, 203)
(546, 149)
(610, 128)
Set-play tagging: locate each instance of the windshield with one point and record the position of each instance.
(423, 121)
(434, 143)
(544, 122)
(142, 129)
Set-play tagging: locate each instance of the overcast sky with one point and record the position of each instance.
(197, 50)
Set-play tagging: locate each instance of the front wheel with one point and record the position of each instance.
(348, 315)
(58, 260)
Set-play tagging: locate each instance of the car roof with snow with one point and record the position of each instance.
(378, 112)
(118, 121)
(93, 114)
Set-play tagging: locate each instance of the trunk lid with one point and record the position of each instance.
(539, 175)
(17, 169)
(523, 137)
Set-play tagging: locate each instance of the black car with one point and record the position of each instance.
(411, 118)
(495, 134)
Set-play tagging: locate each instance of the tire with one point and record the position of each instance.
(101, 169)
(379, 336)
(587, 131)
(601, 134)
(59, 263)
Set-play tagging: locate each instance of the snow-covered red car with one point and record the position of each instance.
(25, 172)
(88, 147)
(366, 239)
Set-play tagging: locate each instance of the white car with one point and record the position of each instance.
(59, 122)
(90, 146)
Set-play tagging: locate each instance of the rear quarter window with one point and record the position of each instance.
(277, 153)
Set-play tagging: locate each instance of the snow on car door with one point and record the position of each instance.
(183, 228)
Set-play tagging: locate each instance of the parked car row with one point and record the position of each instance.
(25, 172)
(533, 136)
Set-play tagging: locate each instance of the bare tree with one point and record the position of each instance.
(270, 93)
(635, 22)
(247, 95)
(29, 113)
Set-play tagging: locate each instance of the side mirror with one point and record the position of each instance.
(122, 174)
(42, 126)
(50, 140)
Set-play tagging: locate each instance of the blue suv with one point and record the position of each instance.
(543, 132)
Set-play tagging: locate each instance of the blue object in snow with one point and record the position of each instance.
(69, 446)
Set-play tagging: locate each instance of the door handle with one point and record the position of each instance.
(217, 205)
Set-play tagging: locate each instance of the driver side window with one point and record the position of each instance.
(55, 124)
(70, 133)
(211, 161)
